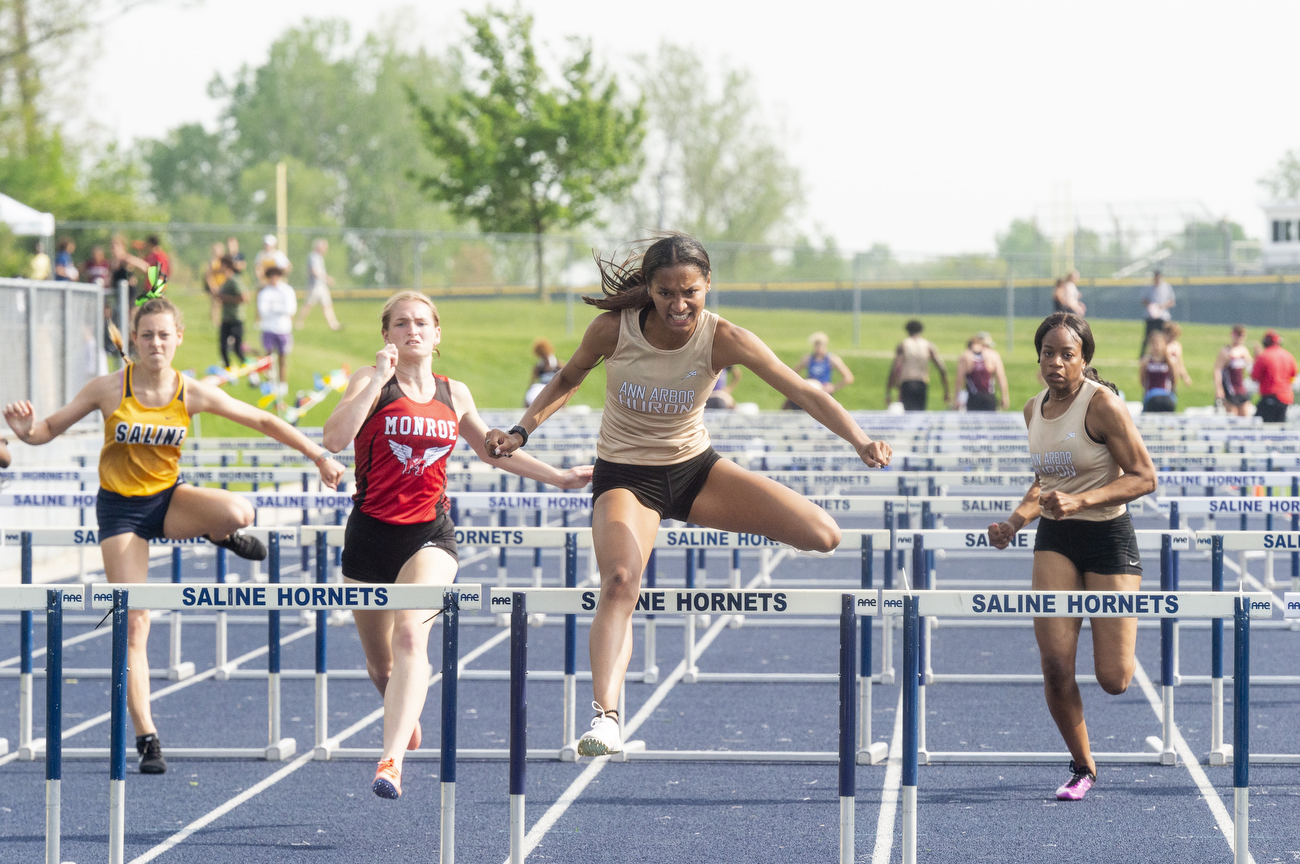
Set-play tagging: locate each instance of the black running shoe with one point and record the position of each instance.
(151, 758)
(243, 545)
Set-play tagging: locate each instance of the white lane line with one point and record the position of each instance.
(256, 789)
(556, 810)
(889, 795)
(171, 688)
(1190, 761)
(73, 640)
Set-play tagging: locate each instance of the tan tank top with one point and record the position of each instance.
(916, 359)
(654, 399)
(1065, 459)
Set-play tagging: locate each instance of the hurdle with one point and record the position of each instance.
(1160, 749)
(795, 602)
(1075, 604)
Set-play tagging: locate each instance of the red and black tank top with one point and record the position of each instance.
(978, 378)
(401, 456)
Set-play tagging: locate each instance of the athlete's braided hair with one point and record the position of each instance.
(1080, 328)
(627, 285)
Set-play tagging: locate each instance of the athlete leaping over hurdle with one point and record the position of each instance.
(662, 351)
(1089, 461)
(147, 407)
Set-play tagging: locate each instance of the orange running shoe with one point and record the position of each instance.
(417, 735)
(388, 780)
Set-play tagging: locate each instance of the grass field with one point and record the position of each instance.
(486, 344)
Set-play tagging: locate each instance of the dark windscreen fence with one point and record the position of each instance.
(50, 341)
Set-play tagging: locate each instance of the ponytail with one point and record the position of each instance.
(1091, 374)
(626, 285)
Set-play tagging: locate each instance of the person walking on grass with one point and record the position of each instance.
(276, 303)
(911, 370)
(1274, 369)
(1089, 462)
(233, 297)
(405, 420)
(1230, 367)
(147, 408)
(1157, 299)
(981, 374)
(318, 287)
(662, 351)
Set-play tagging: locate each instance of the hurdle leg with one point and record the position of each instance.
(117, 736)
(25, 657)
(518, 723)
(701, 580)
(568, 745)
(1241, 732)
(447, 768)
(177, 669)
(733, 582)
(692, 674)
(912, 708)
(537, 619)
(848, 756)
(53, 724)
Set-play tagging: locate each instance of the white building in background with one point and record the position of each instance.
(1281, 244)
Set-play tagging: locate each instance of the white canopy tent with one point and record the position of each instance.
(25, 221)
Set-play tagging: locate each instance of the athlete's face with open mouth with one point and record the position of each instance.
(156, 339)
(413, 331)
(1061, 360)
(678, 294)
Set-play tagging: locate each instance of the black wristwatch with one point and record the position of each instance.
(521, 432)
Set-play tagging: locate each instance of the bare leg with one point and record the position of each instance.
(327, 306)
(199, 512)
(734, 499)
(1114, 640)
(126, 561)
(1058, 643)
(624, 533)
(406, 655)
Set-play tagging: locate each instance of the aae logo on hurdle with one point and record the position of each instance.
(1291, 604)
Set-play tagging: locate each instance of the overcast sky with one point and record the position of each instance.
(927, 126)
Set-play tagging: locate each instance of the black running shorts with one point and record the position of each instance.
(142, 515)
(913, 395)
(376, 551)
(669, 490)
(1107, 548)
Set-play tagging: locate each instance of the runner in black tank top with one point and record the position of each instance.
(406, 421)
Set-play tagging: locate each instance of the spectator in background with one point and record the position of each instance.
(1066, 296)
(1156, 373)
(1175, 349)
(546, 368)
(1230, 373)
(213, 276)
(65, 270)
(156, 256)
(980, 374)
(39, 267)
(1157, 300)
(821, 366)
(318, 287)
(276, 304)
(723, 395)
(232, 297)
(270, 256)
(97, 270)
(911, 370)
(232, 249)
(1274, 369)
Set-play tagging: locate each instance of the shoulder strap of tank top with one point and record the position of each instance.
(442, 391)
(180, 388)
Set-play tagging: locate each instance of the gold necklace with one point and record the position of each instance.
(1072, 394)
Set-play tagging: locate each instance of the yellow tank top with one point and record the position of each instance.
(142, 446)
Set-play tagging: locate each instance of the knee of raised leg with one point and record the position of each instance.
(827, 536)
(241, 513)
(1115, 683)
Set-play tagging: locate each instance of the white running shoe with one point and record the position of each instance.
(603, 738)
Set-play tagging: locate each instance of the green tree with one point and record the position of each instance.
(717, 169)
(1024, 246)
(1283, 182)
(521, 154)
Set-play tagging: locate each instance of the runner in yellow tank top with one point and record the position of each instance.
(662, 351)
(147, 407)
(1089, 461)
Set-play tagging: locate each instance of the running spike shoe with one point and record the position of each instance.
(388, 780)
(1081, 780)
(243, 545)
(604, 736)
(151, 758)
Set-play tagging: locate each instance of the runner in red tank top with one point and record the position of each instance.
(406, 421)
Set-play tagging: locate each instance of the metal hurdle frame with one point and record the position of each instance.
(1160, 749)
(572, 601)
(915, 606)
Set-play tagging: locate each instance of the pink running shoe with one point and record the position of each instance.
(1078, 785)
